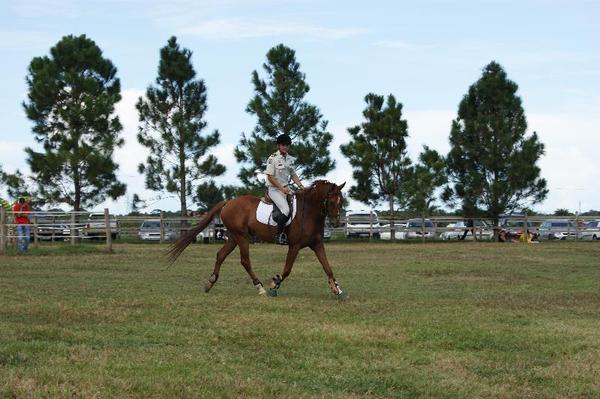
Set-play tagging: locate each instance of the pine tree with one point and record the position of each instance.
(377, 153)
(423, 180)
(17, 185)
(492, 164)
(208, 194)
(171, 126)
(71, 101)
(280, 108)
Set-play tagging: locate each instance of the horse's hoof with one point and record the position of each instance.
(272, 292)
(342, 296)
(208, 286)
(261, 291)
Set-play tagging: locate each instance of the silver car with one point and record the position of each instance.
(150, 231)
(420, 228)
(557, 229)
(455, 231)
(591, 231)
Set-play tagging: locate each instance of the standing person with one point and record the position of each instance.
(469, 227)
(280, 167)
(21, 211)
(469, 210)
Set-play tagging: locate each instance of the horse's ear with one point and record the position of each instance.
(341, 186)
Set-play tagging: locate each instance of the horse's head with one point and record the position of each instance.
(333, 203)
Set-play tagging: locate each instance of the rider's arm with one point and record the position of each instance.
(296, 180)
(276, 183)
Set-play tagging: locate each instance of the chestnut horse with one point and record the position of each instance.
(313, 204)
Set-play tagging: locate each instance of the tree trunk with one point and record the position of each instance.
(182, 186)
(392, 226)
(76, 206)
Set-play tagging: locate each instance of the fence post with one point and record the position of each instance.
(35, 232)
(422, 227)
(526, 231)
(53, 224)
(107, 231)
(2, 230)
(370, 225)
(73, 230)
(162, 227)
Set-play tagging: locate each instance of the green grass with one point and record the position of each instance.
(435, 320)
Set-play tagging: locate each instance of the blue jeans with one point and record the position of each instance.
(22, 237)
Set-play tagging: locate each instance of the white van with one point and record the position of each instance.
(362, 224)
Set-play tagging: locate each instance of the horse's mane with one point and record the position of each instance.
(314, 188)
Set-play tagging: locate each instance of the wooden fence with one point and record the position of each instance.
(76, 227)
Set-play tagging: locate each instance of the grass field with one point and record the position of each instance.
(435, 320)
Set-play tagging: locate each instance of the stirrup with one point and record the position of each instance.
(282, 239)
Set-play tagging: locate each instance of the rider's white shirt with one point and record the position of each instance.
(281, 167)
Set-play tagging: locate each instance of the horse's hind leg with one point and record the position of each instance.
(244, 245)
(221, 255)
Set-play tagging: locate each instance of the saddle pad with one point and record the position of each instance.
(263, 213)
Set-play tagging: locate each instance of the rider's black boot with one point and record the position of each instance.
(281, 236)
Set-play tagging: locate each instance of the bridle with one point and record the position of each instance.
(325, 202)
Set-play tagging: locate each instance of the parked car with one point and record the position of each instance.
(514, 228)
(455, 231)
(51, 226)
(557, 229)
(591, 231)
(150, 231)
(362, 224)
(96, 226)
(399, 228)
(326, 233)
(214, 231)
(419, 228)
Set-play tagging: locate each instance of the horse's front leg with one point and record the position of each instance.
(319, 250)
(289, 263)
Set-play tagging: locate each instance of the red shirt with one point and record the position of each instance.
(18, 209)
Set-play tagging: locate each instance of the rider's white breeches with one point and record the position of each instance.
(279, 199)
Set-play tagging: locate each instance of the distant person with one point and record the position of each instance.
(21, 212)
(502, 237)
(469, 227)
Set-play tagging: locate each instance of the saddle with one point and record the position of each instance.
(276, 215)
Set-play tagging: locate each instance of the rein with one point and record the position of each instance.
(323, 203)
(324, 207)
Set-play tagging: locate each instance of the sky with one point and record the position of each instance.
(425, 53)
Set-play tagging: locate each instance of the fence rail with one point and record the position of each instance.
(75, 227)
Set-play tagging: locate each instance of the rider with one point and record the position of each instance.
(280, 167)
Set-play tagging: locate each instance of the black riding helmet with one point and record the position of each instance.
(284, 139)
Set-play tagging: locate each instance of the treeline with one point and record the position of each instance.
(491, 167)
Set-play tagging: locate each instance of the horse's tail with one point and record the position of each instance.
(186, 239)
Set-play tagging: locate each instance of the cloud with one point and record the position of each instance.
(131, 154)
(239, 28)
(225, 155)
(12, 155)
(570, 164)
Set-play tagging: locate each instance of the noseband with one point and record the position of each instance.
(324, 207)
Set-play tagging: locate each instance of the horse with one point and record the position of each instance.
(313, 204)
